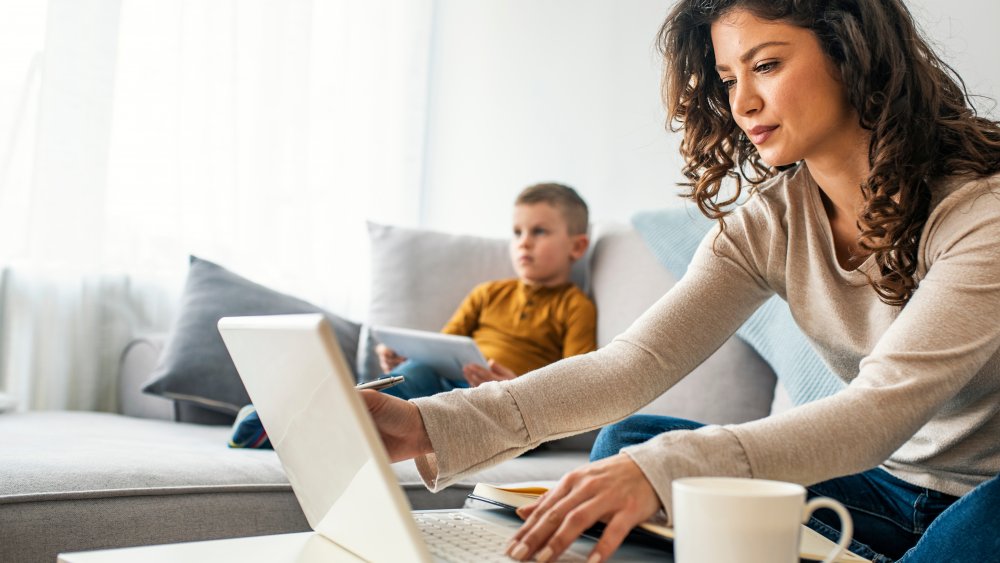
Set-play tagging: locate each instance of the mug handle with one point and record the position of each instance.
(846, 524)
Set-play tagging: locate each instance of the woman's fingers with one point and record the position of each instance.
(532, 511)
(554, 533)
(527, 510)
(547, 517)
(614, 534)
(578, 517)
(613, 490)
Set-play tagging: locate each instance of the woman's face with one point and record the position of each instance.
(784, 92)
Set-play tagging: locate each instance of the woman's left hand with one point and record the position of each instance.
(613, 490)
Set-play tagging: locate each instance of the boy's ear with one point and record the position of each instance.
(580, 245)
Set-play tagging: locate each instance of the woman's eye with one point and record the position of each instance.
(728, 84)
(765, 67)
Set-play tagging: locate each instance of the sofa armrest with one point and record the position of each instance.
(137, 363)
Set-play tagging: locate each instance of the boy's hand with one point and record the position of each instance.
(476, 374)
(388, 359)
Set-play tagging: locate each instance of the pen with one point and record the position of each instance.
(380, 384)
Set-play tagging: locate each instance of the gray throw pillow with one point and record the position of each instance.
(195, 366)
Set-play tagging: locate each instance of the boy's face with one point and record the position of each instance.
(541, 248)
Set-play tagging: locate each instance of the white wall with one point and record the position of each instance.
(523, 91)
(964, 33)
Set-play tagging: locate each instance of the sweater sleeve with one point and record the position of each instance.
(501, 420)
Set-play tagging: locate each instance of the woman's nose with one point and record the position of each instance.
(745, 100)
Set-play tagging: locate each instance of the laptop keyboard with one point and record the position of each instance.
(454, 536)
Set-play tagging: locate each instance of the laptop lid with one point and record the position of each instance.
(297, 378)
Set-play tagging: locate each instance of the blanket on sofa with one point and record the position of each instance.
(673, 236)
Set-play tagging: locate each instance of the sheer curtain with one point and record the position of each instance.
(259, 134)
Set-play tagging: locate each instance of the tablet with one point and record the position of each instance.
(446, 353)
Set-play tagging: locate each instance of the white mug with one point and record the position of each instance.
(728, 520)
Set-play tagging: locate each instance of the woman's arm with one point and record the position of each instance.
(922, 379)
(921, 396)
(501, 420)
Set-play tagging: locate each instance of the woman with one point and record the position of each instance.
(875, 212)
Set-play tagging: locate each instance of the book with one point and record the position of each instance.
(812, 545)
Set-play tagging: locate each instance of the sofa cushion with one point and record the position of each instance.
(626, 279)
(59, 453)
(74, 481)
(195, 366)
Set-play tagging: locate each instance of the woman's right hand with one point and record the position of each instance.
(399, 425)
(388, 359)
(612, 490)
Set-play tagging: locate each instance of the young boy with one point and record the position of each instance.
(524, 323)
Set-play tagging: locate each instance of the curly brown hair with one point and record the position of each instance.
(922, 125)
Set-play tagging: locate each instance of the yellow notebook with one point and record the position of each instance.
(812, 545)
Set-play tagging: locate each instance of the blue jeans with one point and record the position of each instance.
(893, 520)
(421, 381)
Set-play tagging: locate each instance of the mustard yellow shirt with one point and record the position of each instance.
(526, 327)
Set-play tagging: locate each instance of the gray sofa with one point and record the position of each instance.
(73, 481)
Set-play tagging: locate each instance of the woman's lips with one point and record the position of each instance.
(760, 133)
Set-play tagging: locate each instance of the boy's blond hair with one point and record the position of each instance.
(563, 198)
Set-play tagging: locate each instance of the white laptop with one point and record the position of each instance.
(304, 393)
(446, 353)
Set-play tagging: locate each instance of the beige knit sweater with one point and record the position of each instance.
(923, 398)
